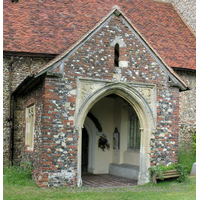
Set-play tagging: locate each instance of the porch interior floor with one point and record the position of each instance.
(105, 180)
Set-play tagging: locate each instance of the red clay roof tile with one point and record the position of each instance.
(52, 26)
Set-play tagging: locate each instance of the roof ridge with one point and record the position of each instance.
(160, 1)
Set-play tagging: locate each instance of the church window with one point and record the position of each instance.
(134, 132)
(30, 127)
(117, 55)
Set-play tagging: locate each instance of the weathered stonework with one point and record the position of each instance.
(187, 125)
(21, 67)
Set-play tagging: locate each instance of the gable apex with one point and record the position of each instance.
(58, 60)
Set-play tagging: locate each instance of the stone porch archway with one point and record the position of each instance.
(88, 96)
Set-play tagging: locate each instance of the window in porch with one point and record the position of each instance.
(30, 127)
(134, 132)
(117, 55)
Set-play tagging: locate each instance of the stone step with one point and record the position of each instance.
(124, 170)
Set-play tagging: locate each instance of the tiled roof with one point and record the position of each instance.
(52, 26)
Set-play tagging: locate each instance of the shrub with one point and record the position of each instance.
(187, 155)
(186, 158)
(158, 169)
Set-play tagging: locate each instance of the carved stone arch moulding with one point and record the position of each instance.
(142, 97)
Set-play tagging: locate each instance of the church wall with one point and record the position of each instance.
(18, 130)
(21, 152)
(22, 66)
(113, 113)
(187, 125)
(35, 97)
(124, 130)
(60, 149)
(118, 116)
(103, 111)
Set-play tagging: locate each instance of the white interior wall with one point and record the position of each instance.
(103, 111)
(112, 113)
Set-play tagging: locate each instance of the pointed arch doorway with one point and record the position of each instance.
(88, 146)
(141, 109)
(84, 151)
(112, 114)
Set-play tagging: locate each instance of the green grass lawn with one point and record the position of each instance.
(22, 188)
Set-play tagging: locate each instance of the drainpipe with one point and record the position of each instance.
(10, 139)
(12, 130)
(10, 85)
(11, 134)
(10, 117)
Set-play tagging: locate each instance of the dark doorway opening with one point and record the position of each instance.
(84, 156)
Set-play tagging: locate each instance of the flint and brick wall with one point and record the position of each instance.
(60, 144)
(38, 155)
(21, 67)
(187, 123)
